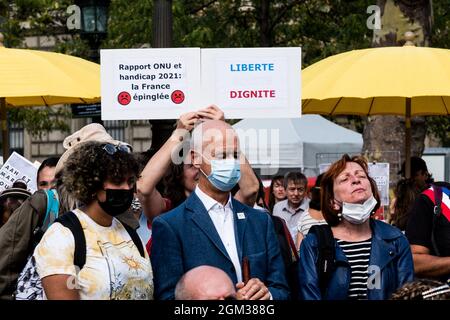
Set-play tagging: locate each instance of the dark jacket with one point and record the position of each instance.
(290, 258)
(186, 237)
(16, 241)
(390, 254)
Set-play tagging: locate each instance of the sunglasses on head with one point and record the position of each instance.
(112, 148)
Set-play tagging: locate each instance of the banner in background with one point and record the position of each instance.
(18, 168)
(379, 171)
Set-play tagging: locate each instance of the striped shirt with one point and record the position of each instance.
(358, 255)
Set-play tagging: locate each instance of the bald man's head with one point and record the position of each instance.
(204, 283)
(210, 131)
(215, 141)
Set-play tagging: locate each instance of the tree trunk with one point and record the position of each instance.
(385, 135)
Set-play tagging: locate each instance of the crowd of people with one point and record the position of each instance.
(192, 222)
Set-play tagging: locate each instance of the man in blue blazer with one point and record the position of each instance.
(212, 228)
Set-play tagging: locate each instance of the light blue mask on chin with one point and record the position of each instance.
(225, 173)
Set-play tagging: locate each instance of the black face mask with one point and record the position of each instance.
(117, 201)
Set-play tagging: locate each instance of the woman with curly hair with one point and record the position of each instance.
(102, 177)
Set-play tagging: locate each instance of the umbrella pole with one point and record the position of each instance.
(408, 139)
(5, 137)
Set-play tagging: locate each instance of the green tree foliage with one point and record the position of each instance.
(129, 24)
(440, 128)
(440, 38)
(38, 120)
(13, 17)
(321, 27)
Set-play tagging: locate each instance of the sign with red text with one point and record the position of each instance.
(149, 83)
(252, 82)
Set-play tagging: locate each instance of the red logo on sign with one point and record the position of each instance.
(124, 98)
(177, 96)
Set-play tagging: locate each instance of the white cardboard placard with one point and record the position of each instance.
(253, 82)
(165, 83)
(18, 168)
(379, 171)
(149, 83)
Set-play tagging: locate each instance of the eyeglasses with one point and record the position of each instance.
(111, 148)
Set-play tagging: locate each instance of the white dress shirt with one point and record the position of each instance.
(291, 215)
(223, 219)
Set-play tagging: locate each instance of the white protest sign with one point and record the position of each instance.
(18, 168)
(253, 82)
(380, 173)
(164, 83)
(323, 167)
(149, 83)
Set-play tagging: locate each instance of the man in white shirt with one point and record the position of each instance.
(212, 228)
(291, 209)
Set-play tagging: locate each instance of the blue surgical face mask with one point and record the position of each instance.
(225, 173)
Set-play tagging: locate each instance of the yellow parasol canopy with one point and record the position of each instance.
(407, 81)
(377, 81)
(32, 77)
(37, 78)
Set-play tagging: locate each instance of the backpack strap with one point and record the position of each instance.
(437, 211)
(292, 247)
(44, 221)
(326, 255)
(136, 239)
(71, 221)
(52, 211)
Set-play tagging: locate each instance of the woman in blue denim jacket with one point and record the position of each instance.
(372, 258)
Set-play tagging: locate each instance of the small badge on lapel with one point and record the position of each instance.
(241, 215)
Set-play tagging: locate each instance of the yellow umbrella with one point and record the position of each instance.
(37, 78)
(408, 81)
